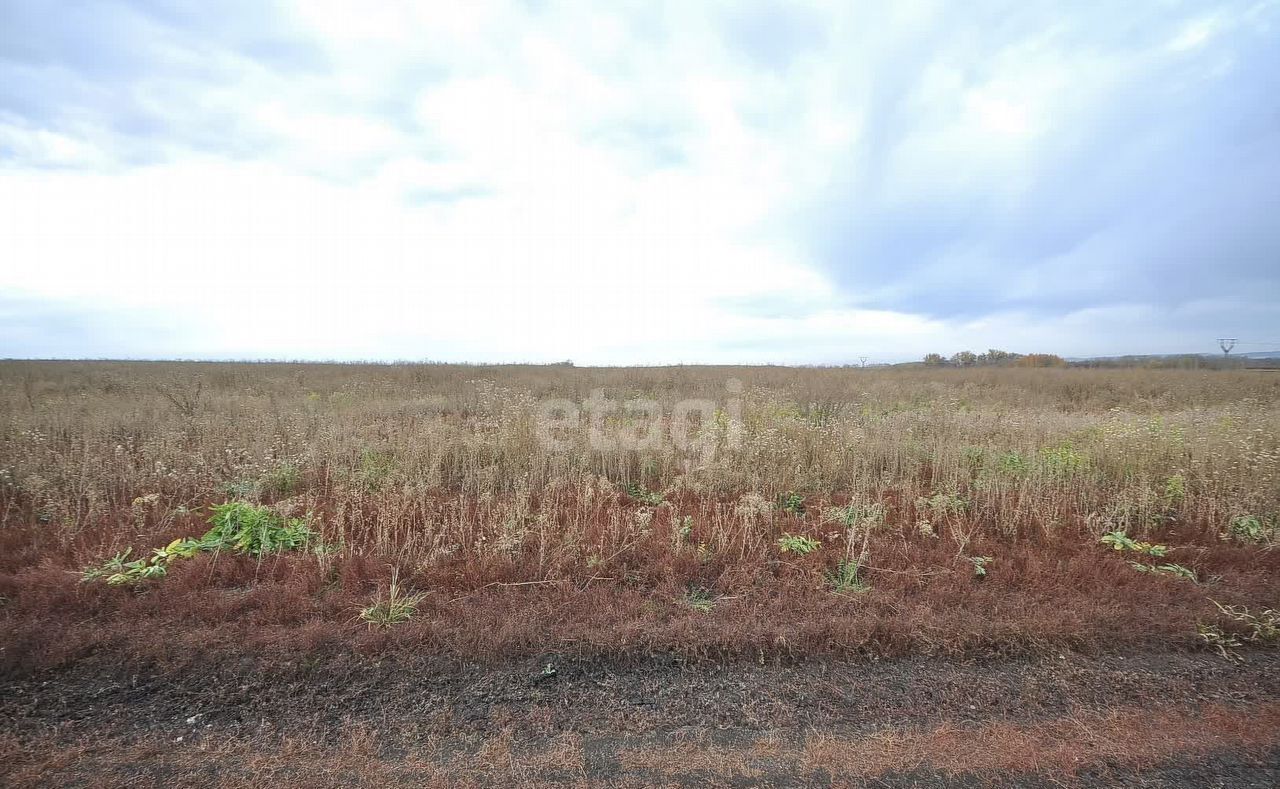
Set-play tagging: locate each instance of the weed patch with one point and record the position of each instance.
(238, 527)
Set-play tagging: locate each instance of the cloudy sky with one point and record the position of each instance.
(636, 182)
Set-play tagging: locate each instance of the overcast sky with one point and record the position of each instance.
(636, 182)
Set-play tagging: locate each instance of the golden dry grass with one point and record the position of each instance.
(438, 472)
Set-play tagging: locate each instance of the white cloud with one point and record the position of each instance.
(499, 180)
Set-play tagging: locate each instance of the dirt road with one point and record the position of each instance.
(1134, 719)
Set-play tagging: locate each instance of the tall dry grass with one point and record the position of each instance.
(1027, 448)
(438, 472)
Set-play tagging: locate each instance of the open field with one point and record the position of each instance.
(821, 575)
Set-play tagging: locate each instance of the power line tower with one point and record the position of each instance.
(1226, 344)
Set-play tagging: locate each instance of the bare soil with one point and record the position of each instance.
(1140, 719)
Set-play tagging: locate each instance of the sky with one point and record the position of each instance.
(637, 182)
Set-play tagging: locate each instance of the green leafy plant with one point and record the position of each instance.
(1062, 461)
(847, 577)
(238, 527)
(282, 480)
(980, 566)
(700, 599)
(1120, 541)
(681, 531)
(245, 528)
(640, 493)
(798, 544)
(239, 489)
(860, 516)
(792, 503)
(1253, 529)
(1175, 490)
(118, 571)
(1013, 464)
(859, 521)
(941, 504)
(375, 470)
(395, 608)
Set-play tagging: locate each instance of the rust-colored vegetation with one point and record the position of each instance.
(942, 511)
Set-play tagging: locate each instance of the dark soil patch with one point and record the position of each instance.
(349, 720)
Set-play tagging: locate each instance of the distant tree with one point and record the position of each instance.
(964, 359)
(934, 359)
(996, 356)
(1041, 360)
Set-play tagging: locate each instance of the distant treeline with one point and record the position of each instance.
(1189, 361)
(994, 358)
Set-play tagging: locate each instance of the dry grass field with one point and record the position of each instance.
(815, 527)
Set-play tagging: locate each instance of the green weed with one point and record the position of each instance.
(1253, 529)
(396, 608)
(238, 527)
(980, 566)
(1175, 490)
(798, 544)
(374, 471)
(1062, 461)
(941, 504)
(1120, 541)
(700, 599)
(860, 516)
(640, 493)
(1012, 464)
(283, 480)
(245, 528)
(847, 577)
(681, 531)
(792, 503)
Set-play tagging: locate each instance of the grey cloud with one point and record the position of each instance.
(143, 81)
(1166, 193)
(132, 79)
